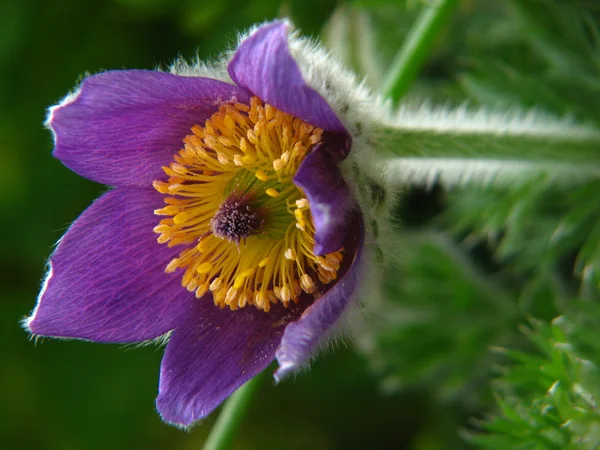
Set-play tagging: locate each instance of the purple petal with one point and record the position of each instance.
(106, 280)
(302, 337)
(213, 353)
(329, 196)
(122, 126)
(263, 65)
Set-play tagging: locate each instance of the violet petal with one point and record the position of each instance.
(106, 280)
(122, 126)
(263, 65)
(213, 353)
(329, 198)
(302, 337)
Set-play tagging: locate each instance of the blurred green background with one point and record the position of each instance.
(412, 384)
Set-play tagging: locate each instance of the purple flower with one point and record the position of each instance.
(260, 236)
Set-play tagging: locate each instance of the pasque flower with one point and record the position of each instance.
(237, 221)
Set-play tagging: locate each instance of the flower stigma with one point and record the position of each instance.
(230, 198)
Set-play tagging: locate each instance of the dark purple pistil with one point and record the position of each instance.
(236, 219)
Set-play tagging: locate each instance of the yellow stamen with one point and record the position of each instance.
(242, 243)
(261, 175)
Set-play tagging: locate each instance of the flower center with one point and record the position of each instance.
(231, 200)
(235, 220)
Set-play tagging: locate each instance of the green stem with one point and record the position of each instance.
(416, 47)
(233, 411)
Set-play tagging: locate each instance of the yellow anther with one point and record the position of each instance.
(326, 277)
(167, 211)
(244, 298)
(333, 260)
(248, 159)
(231, 296)
(202, 289)
(198, 131)
(242, 107)
(172, 265)
(307, 284)
(299, 215)
(248, 272)
(326, 264)
(225, 141)
(238, 160)
(161, 228)
(261, 175)
(245, 146)
(272, 192)
(229, 123)
(202, 245)
(314, 139)
(216, 284)
(278, 164)
(302, 203)
(174, 188)
(264, 262)
(300, 222)
(192, 285)
(210, 141)
(204, 268)
(168, 171)
(241, 278)
(269, 112)
(181, 217)
(222, 158)
(160, 186)
(163, 238)
(178, 168)
(251, 135)
(286, 294)
(261, 300)
(298, 149)
(290, 254)
(219, 297)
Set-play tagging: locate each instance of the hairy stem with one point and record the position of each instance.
(459, 146)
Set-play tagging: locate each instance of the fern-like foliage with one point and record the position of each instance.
(437, 318)
(537, 230)
(548, 400)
